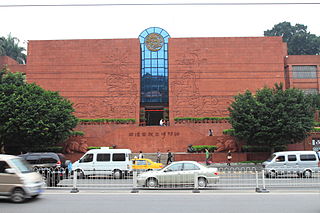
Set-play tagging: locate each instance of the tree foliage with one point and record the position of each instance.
(31, 117)
(300, 41)
(10, 47)
(272, 117)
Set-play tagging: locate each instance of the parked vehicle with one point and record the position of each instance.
(104, 161)
(17, 180)
(302, 163)
(145, 164)
(53, 166)
(179, 173)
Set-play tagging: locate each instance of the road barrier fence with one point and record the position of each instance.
(230, 178)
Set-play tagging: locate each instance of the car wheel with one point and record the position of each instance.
(34, 196)
(307, 174)
(17, 195)
(152, 183)
(202, 182)
(117, 174)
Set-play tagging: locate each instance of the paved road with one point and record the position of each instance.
(90, 201)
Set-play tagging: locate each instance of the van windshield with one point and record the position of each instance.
(271, 157)
(21, 165)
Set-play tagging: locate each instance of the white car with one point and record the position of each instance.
(179, 173)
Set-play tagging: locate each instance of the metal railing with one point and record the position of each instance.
(230, 178)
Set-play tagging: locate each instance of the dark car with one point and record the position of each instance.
(53, 166)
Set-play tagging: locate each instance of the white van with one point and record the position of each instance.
(104, 161)
(302, 163)
(17, 180)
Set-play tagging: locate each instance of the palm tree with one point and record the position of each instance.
(10, 47)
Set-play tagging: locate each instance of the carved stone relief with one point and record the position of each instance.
(121, 91)
(76, 144)
(186, 96)
(225, 145)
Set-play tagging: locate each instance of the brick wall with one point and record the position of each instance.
(205, 73)
(12, 64)
(101, 77)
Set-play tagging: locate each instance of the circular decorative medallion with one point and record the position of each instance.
(154, 42)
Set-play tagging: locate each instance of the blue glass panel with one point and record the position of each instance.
(154, 63)
(154, 71)
(150, 30)
(147, 54)
(160, 54)
(161, 62)
(147, 63)
(154, 54)
(161, 71)
(164, 34)
(144, 34)
(158, 30)
(142, 47)
(147, 71)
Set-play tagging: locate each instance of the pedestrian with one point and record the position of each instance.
(207, 157)
(229, 158)
(169, 160)
(158, 156)
(140, 155)
(210, 132)
(161, 122)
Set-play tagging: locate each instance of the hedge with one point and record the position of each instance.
(201, 148)
(230, 132)
(201, 118)
(105, 120)
(76, 133)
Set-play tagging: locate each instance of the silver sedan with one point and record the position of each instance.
(179, 173)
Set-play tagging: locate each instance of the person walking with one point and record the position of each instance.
(207, 157)
(169, 160)
(140, 155)
(158, 156)
(229, 158)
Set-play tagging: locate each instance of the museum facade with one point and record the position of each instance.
(156, 77)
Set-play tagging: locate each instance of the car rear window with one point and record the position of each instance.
(45, 160)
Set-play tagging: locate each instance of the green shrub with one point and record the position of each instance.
(230, 132)
(316, 123)
(76, 133)
(250, 148)
(201, 118)
(201, 148)
(97, 147)
(103, 120)
(315, 129)
(56, 149)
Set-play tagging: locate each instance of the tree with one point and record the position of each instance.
(272, 117)
(10, 47)
(31, 117)
(300, 41)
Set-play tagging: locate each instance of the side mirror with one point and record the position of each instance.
(10, 171)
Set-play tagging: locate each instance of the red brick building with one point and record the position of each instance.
(156, 77)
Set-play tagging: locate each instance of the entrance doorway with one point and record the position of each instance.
(153, 117)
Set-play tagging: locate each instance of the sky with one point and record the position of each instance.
(128, 21)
